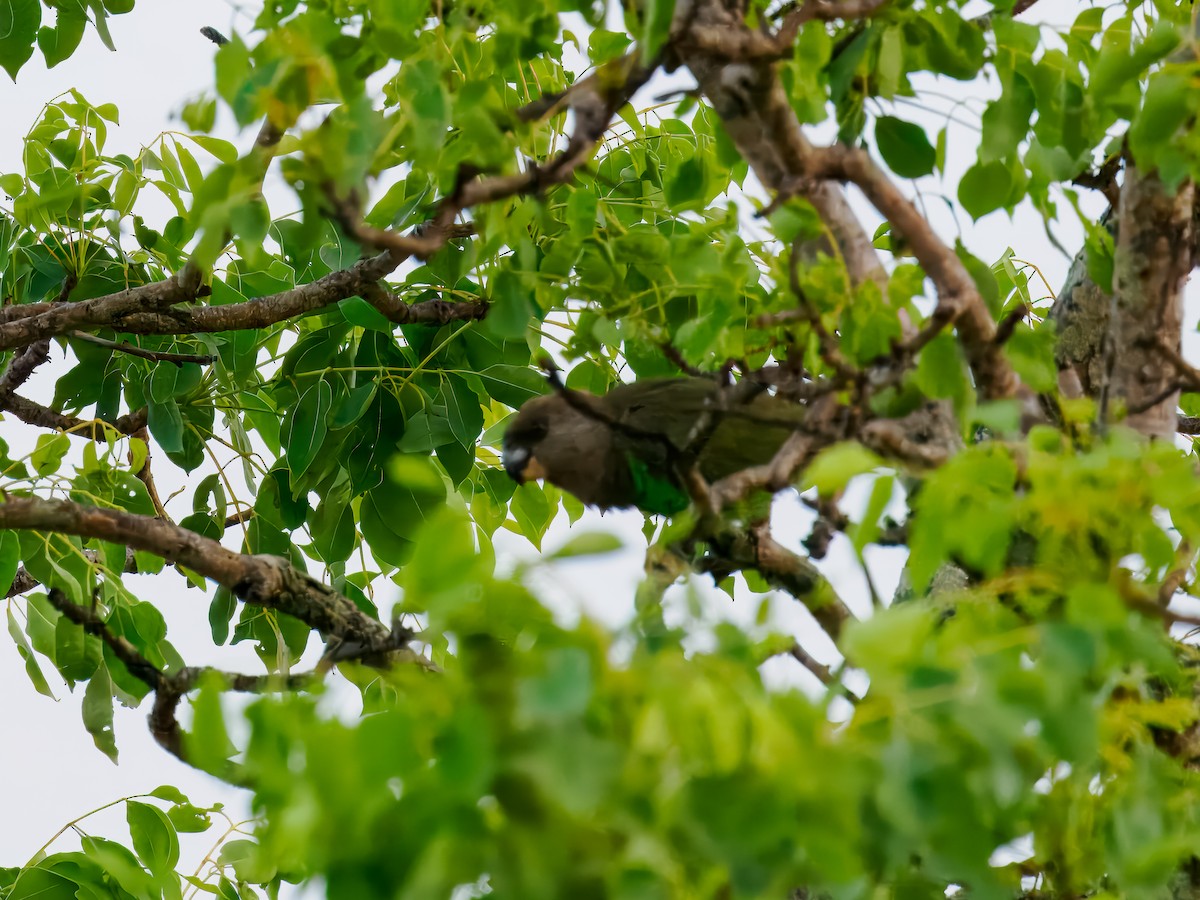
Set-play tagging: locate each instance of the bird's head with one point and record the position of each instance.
(552, 439)
(521, 440)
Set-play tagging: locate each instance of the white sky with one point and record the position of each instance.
(49, 773)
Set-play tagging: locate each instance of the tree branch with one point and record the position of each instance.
(268, 581)
(32, 413)
(153, 355)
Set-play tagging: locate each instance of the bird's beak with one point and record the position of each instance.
(521, 465)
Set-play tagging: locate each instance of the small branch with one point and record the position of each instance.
(170, 688)
(820, 670)
(926, 438)
(154, 308)
(145, 476)
(22, 366)
(1103, 179)
(239, 517)
(108, 311)
(1189, 375)
(830, 521)
(1009, 324)
(789, 459)
(23, 582)
(1176, 577)
(154, 355)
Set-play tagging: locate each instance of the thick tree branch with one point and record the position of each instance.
(754, 548)
(109, 310)
(755, 46)
(1153, 260)
(426, 312)
(755, 110)
(959, 300)
(268, 581)
(93, 429)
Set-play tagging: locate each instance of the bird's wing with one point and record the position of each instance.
(666, 406)
(746, 436)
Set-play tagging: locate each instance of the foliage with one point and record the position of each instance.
(334, 383)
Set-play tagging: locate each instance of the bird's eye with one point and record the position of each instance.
(536, 431)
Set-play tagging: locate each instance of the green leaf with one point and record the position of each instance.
(904, 147)
(1006, 121)
(1032, 355)
(361, 313)
(511, 307)
(224, 151)
(533, 512)
(207, 744)
(513, 385)
(462, 410)
(165, 422)
(866, 530)
(154, 837)
(59, 42)
(941, 371)
(32, 669)
(985, 187)
(304, 431)
(170, 793)
(833, 467)
(684, 189)
(10, 558)
(189, 819)
(98, 712)
(49, 453)
(19, 21)
(590, 543)
(220, 614)
(656, 25)
(1169, 103)
(562, 689)
(604, 45)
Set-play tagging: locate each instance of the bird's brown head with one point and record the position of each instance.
(552, 439)
(521, 440)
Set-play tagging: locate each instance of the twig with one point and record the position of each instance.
(1189, 375)
(213, 35)
(154, 355)
(23, 582)
(820, 670)
(1177, 576)
(170, 688)
(1009, 324)
(145, 476)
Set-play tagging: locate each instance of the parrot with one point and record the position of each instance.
(622, 449)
